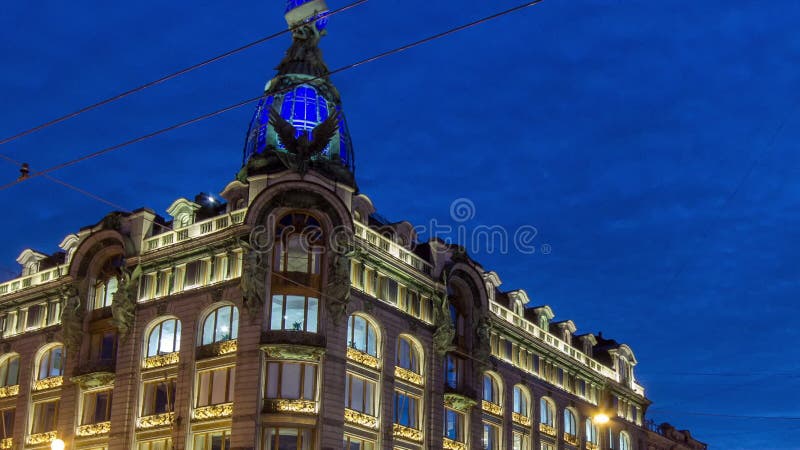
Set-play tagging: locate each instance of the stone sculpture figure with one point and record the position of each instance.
(72, 316)
(123, 306)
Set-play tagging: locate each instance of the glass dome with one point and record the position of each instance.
(320, 19)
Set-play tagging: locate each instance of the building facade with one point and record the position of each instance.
(291, 316)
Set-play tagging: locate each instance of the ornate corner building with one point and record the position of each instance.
(292, 316)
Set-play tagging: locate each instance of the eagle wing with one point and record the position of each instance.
(323, 133)
(286, 132)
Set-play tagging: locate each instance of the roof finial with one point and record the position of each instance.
(304, 11)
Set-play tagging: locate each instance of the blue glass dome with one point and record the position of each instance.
(305, 108)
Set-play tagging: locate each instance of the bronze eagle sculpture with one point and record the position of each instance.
(300, 150)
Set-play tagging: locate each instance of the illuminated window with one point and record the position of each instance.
(454, 371)
(359, 394)
(9, 371)
(298, 246)
(624, 441)
(491, 437)
(546, 446)
(407, 355)
(35, 317)
(291, 380)
(104, 291)
(454, 423)
(362, 336)
(591, 432)
(158, 397)
(7, 423)
(521, 401)
(548, 412)
(220, 325)
(355, 443)
(288, 438)
(214, 440)
(215, 386)
(156, 444)
(412, 303)
(520, 441)
(45, 417)
(194, 274)
(406, 409)
(96, 407)
(164, 338)
(294, 312)
(51, 363)
(491, 389)
(570, 427)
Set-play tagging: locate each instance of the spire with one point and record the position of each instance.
(301, 96)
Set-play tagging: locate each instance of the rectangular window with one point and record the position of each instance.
(406, 409)
(359, 394)
(156, 444)
(454, 371)
(158, 397)
(45, 417)
(294, 312)
(491, 437)
(546, 446)
(35, 316)
(103, 347)
(520, 441)
(357, 274)
(194, 274)
(388, 290)
(215, 386)
(7, 423)
(214, 440)
(454, 423)
(96, 407)
(291, 380)
(146, 286)
(355, 443)
(412, 303)
(288, 438)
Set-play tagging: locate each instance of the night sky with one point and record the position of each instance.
(652, 145)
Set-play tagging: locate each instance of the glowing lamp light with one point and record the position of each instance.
(600, 419)
(56, 444)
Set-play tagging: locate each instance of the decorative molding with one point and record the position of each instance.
(520, 419)
(94, 379)
(458, 402)
(571, 439)
(6, 443)
(547, 429)
(409, 376)
(449, 444)
(409, 434)
(293, 352)
(93, 429)
(213, 412)
(161, 360)
(361, 419)
(291, 406)
(590, 446)
(47, 383)
(9, 391)
(492, 408)
(363, 358)
(40, 438)
(228, 347)
(217, 348)
(155, 421)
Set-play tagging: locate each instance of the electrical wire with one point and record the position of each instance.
(166, 78)
(287, 88)
(728, 416)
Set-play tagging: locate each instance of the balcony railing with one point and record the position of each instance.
(193, 231)
(36, 279)
(374, 239)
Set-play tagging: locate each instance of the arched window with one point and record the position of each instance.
(362, 336)
(9, 371)
(222, 324)
(548, 412)
(521, 401)
(591, 432)
(570, 426)
(104, 291)
(408, 356)
(624, 441)
(298, 245)
(491, 388)
(51, 363)
(164, 338)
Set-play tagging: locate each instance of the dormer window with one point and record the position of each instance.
(518, 308)
(543, 323)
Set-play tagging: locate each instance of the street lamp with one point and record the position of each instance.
(600, 419)
(56, 444)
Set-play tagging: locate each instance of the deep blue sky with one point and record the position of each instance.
(651, 143)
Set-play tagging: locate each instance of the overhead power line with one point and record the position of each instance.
(729, 416)
(250, 100)
(168, 77)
